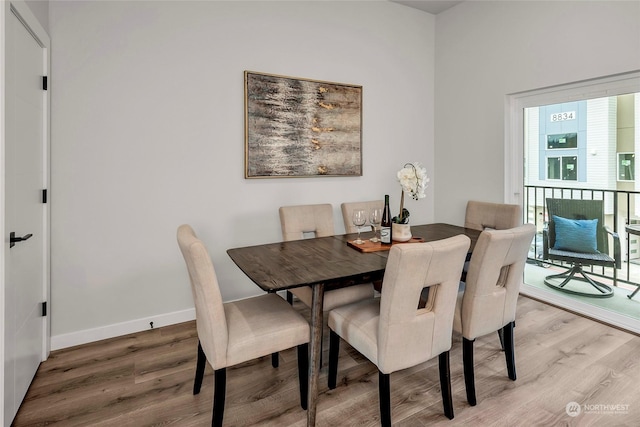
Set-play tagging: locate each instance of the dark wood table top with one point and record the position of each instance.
(325, 262)
(328, 260)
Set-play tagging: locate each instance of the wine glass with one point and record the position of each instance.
(359, 218)
(375, 217)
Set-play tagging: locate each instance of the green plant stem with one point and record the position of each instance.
(400, 217)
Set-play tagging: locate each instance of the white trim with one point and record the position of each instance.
(118, 329)
(111, 331)
(515, 103)
(4, 9)
(514, 165)
(582, 308)
(20, 9)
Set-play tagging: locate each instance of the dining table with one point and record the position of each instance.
(326, 263)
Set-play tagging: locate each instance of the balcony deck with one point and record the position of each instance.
(618, 310)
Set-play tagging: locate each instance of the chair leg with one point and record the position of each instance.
(303, 374)
(501, 335)
(469, 381)
(334, 350)
(445, 384)
(219, 392)
(384, 389)
(200, 365)
(509, 350)
(606, 291)
(275, 361)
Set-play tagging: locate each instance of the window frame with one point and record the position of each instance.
(633, 168)
(515, 103)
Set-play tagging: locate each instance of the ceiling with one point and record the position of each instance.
(431, 6)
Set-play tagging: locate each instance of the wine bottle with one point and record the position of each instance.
(385, 226)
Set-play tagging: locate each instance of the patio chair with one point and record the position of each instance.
(576, 234)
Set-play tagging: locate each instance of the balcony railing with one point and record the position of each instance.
(620, 210)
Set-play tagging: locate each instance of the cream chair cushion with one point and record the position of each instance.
(298, 220)
(336, 297)
(391, 331)
(235, 332)
(488, 301)
(347, 209)
(497, 216)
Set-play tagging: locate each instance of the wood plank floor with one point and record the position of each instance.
(146, 379)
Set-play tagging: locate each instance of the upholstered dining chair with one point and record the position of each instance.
(390, 331)
(347, 209)
(494, 216)
(488, 302)
(300, 221)
(498, 216)
(235, 332)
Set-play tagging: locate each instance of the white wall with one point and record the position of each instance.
(486, 50)
(148, 133)
(40, 9)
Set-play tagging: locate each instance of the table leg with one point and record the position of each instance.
(315, 341)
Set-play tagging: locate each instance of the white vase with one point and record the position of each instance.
(400, 232)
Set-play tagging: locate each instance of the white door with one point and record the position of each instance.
(25, 242)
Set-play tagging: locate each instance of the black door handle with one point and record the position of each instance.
(13, 239)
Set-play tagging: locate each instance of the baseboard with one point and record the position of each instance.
(110, 331)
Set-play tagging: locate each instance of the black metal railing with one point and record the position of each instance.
(619, 208)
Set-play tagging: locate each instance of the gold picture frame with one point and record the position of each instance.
(296, 127)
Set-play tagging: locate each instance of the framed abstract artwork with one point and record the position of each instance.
(298, 127)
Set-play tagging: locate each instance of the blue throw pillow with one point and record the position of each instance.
(576, 235)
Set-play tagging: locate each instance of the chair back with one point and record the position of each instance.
(493, 280)
(348, 208)
(578, 209)
(497, 216)
(408, 335)
(297, 220)
(211, 322)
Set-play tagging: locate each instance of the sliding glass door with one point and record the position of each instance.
(579, 141)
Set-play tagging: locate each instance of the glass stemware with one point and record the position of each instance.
(359, 218)
(375, 217)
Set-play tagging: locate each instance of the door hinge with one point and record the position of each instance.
(44, 82)
(44, 195)
(44, 309)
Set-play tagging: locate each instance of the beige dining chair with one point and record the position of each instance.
(347, 209)
(494, 216)
(235, 332)
(487, 304)
(300, 221)
(390, 331)
(497, 216)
